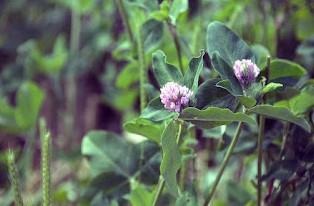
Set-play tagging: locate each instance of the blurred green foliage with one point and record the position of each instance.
(75, 61)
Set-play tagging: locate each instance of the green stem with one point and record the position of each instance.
(183, 171)
(71, 82)
(161, 185)
(260, 159)
(224, 164)
(161, 182)
(125, 20)
(45, 164)
(75, 32)
(29, 154)
(284, 139)
(176, 40)
(141, 60)
(260, 143)
(138, 44)
(14, 179)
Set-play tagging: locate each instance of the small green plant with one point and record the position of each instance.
(14, 178)
(196, 102)
(45, 169)
(45, 163)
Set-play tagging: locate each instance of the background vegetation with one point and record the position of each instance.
(87, 65)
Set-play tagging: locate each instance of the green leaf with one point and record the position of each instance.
(29, 100)
(145, 128)
(108, 148)
(271, 87)
(140, 196)
(106, 185)
(227, 44)
(216, 132)
(7, 118)
(163, 13)
(109, 153)
(284, 68)
(237, 193)
(148, 5)
(191, 77)
(300, 103)
(186, 199)
(171, 160)
(210, 95)
(163, 71)
(261, 54)
(213, 117)
(128, 76)
(177, 7)
(226, 73)
(152, 32)
(79, 6)
(247, 101)
(156, 112)
(280, 113)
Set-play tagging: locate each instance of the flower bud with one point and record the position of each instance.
(245, 71)
(175, 97)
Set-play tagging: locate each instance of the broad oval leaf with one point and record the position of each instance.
(145, 128)
(213, 117)
(226, 73)
(271, 87)
(229, 46)
(109, 149)
(280, 68)
(300, 103)
(141, 195)
(261, 54)
(171, 159)
(210, 95)
(163, 71)
(110, 153)
(247, 101)
(152, 32)
(128, 76)
(7, 118)
(177, 7)
(29, 100)
(280, 113)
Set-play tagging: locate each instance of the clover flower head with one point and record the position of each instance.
(245, 71)
(175, 97)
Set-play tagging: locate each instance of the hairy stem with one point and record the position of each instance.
(125, 20)
(260, 143)
(45, 164)
(224, 164)
(141, 60)
(176, 40)
(260, 158)
(14, 179)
